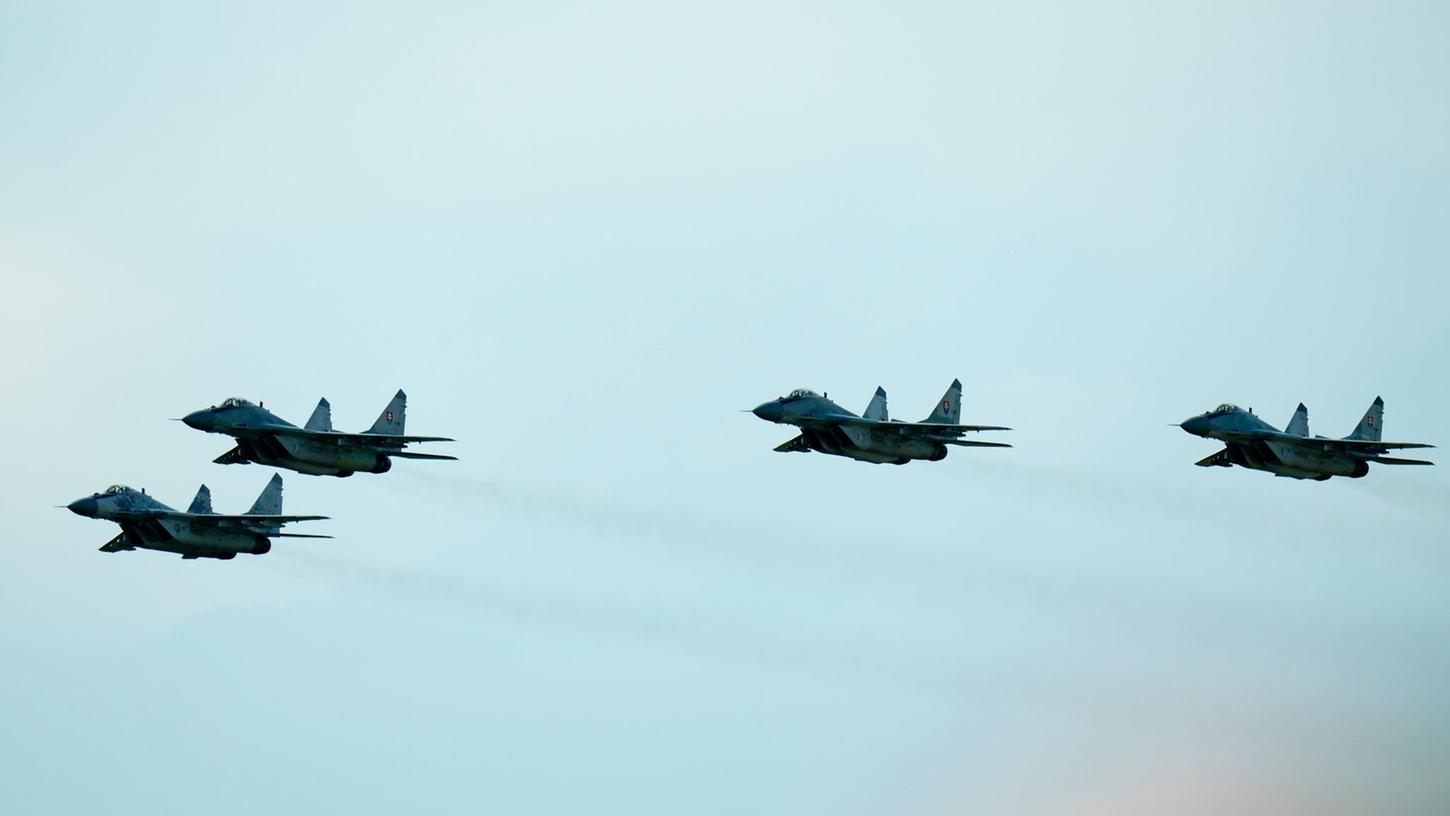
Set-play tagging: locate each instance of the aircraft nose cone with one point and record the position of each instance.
(83, 507)
(200, 420)
(769, 411)
(1198, 426)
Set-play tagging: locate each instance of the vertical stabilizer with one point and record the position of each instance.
(321, 417)
(877, 409)
(948, 409)
(270, 502)
(1299, 425)
(1369, 428)
(390, 421)
(201, 505)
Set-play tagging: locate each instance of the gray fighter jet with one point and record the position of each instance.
(198, 533)
(873, 437)
(1253, 443)
(314, 449)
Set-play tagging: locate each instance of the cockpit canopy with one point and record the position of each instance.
(800, 393)
(1226, 408)
(116, 490)
(235, 402)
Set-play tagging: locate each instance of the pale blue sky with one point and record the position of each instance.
(582, 237)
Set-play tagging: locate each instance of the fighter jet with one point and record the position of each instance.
(198, 533)
(873, 437)
(1253, 443)
(314, 449)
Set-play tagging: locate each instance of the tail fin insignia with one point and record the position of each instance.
(390, 421)
(948, 410)
(1372, 425)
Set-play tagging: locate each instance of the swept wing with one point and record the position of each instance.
(1319, 443)
(932, 429)
(353, 438)
(212, 519)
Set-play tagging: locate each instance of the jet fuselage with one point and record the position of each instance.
(256, 431)
(811, 412)
(1279, 453)
(176, 535)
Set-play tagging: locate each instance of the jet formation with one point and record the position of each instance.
(825, 427)
(315, 449)
(197, 533)
(874, 436)
(1253, 443)
(267, 439)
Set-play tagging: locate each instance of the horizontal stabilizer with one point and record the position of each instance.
(965, 443)
(1389, 460)
(411, 455)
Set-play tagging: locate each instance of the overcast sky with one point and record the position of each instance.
(582, 237)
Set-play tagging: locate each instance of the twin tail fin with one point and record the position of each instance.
(390, 421)
(1371, 426)
(877, 409)
(1299, 425)
(948, 410)
(270, 502)
(321, 419)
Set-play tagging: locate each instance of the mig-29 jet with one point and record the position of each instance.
(873, 437)
(1254, 444)
(198, 533)
(314, 449)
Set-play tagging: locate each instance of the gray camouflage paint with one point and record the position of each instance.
(1254, 444)
(316, 449)
(197, 533)
(873, 437)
